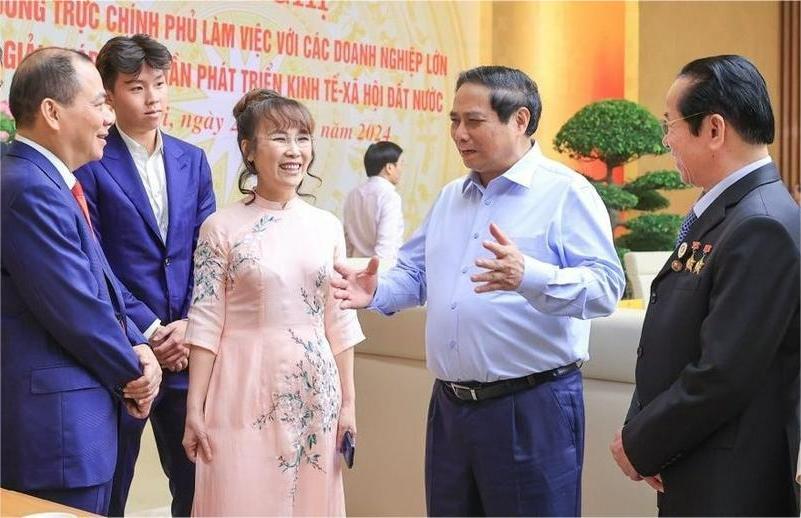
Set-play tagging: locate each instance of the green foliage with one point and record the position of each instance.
(664, 179)
(615, 197)
(614, 131)
(650, 201)
(651, 232)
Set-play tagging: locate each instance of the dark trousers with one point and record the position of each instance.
(93, 499)
(168, 418)
(516, 455)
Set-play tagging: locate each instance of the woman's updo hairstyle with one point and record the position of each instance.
(281, 114)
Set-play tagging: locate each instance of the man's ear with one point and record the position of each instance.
(522, 118)
(51, 113)
(110, 98)
(717, 131)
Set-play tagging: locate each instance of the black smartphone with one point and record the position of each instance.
(348, 448)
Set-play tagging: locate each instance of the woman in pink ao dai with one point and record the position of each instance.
(271, 364)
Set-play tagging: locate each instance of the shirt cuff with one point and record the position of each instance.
(152, 329)
(536, 277)
(381, 299)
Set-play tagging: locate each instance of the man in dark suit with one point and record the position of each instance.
(69, 353)
(148, 196)
(713, 424)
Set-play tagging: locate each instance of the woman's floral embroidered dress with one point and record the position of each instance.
(262, 303)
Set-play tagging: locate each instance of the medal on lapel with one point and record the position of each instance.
(700, 264)
(676, 265)
(691, 260)
(682, 250)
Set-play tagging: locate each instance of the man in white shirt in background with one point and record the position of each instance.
(373, 216)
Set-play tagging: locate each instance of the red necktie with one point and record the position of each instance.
(77, 193)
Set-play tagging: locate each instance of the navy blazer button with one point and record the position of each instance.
(639, 351)
(167, 261)
(653, 297)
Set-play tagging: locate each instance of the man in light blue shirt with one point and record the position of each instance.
(511, 261)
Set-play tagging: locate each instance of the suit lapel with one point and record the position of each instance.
(118, 162)
(175, 165)
(22, 150)
(25, 151)
(716, 212)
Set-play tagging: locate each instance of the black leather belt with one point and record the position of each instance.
(477, 391)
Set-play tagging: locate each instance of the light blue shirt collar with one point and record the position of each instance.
(706, 200)
(60, 166)
(520, 173)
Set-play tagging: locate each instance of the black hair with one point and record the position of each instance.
(127, 55)
(379, 154)
(510, 90)
(732, 87)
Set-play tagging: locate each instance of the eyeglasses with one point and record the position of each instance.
(667, 123)
(282, 140)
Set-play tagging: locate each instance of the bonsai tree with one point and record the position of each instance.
(617, 131)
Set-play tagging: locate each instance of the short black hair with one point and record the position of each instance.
(48, 72)
(379, 154)
(732, 87)
(127, 55)
(510, 90)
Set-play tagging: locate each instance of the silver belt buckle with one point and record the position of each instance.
(456, 388)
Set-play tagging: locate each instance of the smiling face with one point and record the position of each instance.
(280, 157)
(487, 146)
(139, 100)
(83, 125)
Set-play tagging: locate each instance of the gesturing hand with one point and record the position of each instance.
(356, 287)
(505, 272)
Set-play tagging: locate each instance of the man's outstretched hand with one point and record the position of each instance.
(356, 287)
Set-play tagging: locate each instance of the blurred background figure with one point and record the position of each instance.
(373, 213)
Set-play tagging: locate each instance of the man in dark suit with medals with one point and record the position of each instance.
(713, 424)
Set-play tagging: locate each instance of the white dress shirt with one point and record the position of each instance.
(373, 220)
(151, 171)
(154, 178)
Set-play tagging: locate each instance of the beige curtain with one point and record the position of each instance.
(790, 106)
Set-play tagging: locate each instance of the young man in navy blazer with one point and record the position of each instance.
(70, 355)
(148, 196)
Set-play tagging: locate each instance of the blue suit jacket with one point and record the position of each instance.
(157, 275)
(66, 344)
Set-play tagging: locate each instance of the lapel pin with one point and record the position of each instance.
(698, 266)
(676, 265)
(692, 260)
(682, 250)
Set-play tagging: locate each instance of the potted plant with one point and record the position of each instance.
(615, 132)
